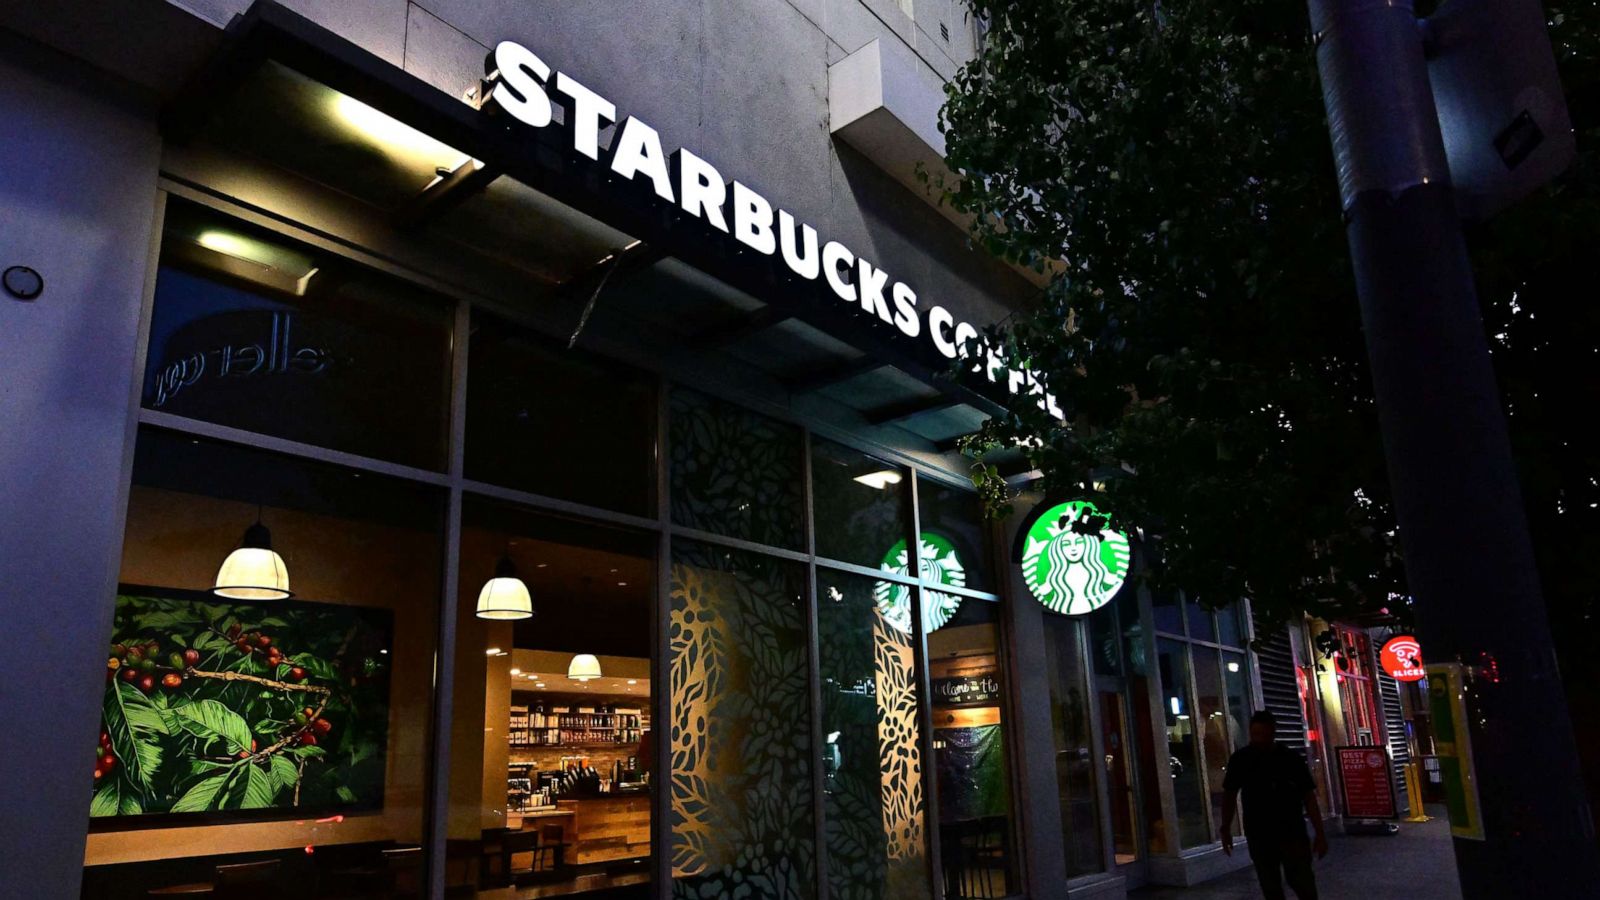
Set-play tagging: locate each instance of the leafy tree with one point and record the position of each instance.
(1170, 165)
(1202, 331)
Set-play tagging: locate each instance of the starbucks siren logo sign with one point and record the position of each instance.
(940, 565)
(1071, 562)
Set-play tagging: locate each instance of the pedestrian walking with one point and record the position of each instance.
(1277, 787)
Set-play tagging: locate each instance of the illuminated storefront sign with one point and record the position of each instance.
(940, 564)
(522, 86)
(1071, 561)
(1402, 658)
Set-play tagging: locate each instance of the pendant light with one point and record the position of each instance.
(253, 571)
(584, 667)
(504, 596)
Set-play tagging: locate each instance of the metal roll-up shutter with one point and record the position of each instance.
(1280, 690)
(1394, 725)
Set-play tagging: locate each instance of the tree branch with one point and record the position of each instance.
(256, 679)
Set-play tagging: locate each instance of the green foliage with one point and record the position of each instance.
(227, 728)
(1201, 327)
(1202, 333)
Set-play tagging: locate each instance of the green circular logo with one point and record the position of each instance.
(1069, 565)
(940, 565)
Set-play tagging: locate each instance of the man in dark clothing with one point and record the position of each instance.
(1277, 786)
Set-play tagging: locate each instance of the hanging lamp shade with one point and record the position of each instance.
(504, 596)
(254, 571)
(584, 667)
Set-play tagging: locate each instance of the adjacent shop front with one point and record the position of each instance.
(515, 504)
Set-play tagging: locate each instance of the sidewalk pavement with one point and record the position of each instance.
(1416, 864)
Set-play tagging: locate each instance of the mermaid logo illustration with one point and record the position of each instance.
(1071, 562)
(940, 565)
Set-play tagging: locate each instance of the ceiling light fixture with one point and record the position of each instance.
(504, 597)
(253, 571)
(584, 667)
(879, 480)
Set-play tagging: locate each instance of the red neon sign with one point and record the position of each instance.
(1402, 658)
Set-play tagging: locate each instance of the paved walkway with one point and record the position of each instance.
(1416, 864)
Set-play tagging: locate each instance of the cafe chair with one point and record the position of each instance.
(548, 851)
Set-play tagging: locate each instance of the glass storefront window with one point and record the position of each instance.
(1230, 625)
(1167, 611)
(956, 516)
(1201, 625)
(1183, 739)
(1105, 637)
(971, 755)
(1117, 645)
(735, 473)
(552, 774)
(1074, 748)
(875, 817)
(553, 422)
(290, 732)
(861, 508)
(1211, 722)
(258, 332)
(741, 805)
(1236, 690)
(552, 744)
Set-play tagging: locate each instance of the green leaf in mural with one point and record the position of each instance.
(115, 797)
(284, 771)
(204, 794)
(127, 713)
(258, 788)
(211, 721)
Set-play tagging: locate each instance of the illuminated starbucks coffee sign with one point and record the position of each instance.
(522, 86)
(1071, 561)
(940, 564)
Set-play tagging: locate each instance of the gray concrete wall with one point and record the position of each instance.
(77, 200)
(743, 83)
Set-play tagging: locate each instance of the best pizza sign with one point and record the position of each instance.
(1402, 658)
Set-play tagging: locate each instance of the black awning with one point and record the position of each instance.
(270, 52)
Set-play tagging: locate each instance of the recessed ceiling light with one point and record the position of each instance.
(516, 671)
(622, 584)
(633, 681)
(613, 571)
(493, 651)
(541, 565)
(539, 685)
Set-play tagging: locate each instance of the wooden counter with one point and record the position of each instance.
(515, 820)
(607, 828)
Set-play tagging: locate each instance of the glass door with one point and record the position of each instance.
(1123, 797)
(1133, 796)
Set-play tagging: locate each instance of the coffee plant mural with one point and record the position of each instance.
(218, 706)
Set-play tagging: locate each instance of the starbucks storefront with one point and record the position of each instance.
(516, 505)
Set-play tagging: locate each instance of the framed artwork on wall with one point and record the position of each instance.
(221, 710)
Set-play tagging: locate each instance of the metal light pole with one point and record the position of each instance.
(1469, 559)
